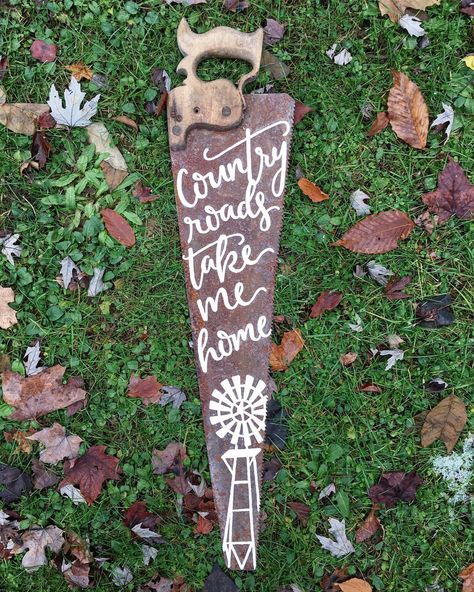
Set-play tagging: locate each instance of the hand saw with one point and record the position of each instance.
(229, 155)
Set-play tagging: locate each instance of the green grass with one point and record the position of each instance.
(335, 432)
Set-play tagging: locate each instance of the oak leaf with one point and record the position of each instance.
(80, 71)
(315, 193)
(35, 541)
(22, 118)
(327, 300)
(407, 111)
(369, 527)
(454, 195)
(147, 389)
(282, 355)
(57, 445)
(377, 233)
(394, 487)
(7, 314)
(396, 8)
(380, 123)
(90, 471)
(444, 422)
(34, 396)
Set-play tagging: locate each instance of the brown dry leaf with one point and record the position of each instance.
(147, 389)
(454, 195)
(80, 71)
(315, 193)
(369, 387)
(37, 395)
(377, 233)
(22, 118)
(407, 111)
(143, 194)
(165, 461)
(40, 149)
(90, 471)
(35, 541)
(7, 314)
(282, 355)
(355, 585)
(395, 286)
(42, 478)
(467, 577)
(444, 422)
(348, 359)
(114, 166)
(4, 61)
(21, 438)
(369, 527)
(302, 512)
(300, 111)
(380, 123)
(118, 227)
(127, 121)
(57, 445)
(274, 66)
(203, 525)
(327, 300)
(396, 8)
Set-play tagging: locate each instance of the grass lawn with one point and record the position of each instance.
(336, 433)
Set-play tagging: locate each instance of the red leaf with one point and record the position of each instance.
(282, 355)
(42, 51)
(302, 512)
(3, 66)
(90, 471)
(380, 123)
(377, 233)
(369, 527)
(395, 286)
(327, 300)
(395, 487)
(46, 120)
(203, 526)
(300, 111)
(147, 389)
(143, 193)
(40, 148)
(369, 387)
(118, 227)
(169, 460)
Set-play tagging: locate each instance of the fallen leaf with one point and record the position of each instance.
(369, 527)
(277, 424)
(355, 585)
(394, 288)
(327, 300)
(34, 396)
(444, 121)
(158, 584)
(407, 111)
(10, 247)
(80, 71)
(412, 25)
(13, 483)
(7, 314)
(161, 79)
(282, 355)
(3, 100)
(445, 422)
(32, 356)
(203, 525)
(271, 468)
(4, 61)
(300, 111)
(68, 269)
(72, 493)
(329, 582)
(358, 199)
(469, 61)
(348, 359)
(42, 478)
(72, 114)
(113, 166)
(24, 445)
(172, 394)
(96, 285)
(378, 272)
(236, 5)
(40, 149)
(149, 554)
(467, 7)
(21, 118)
(341, 58)
(435, 385)
(57, 445)
(396, 8)
(357, 327)
(454, 195)
(315, 193)
(394, 487)
(76, 574)
(147, 389)
(377, 233)
(380, 123)
(369, 387)
(168, 460)
(273, 30)
(302, 512)
(141, 521)
(327, 491)
(42, 51)
(394, 356)
(90, 471)
(118, 227)
(143, 193)
(218, 581)
(277, 69)
(46, 120)
(121, 576)
(340, 545)
(435, 312)
(35, 541)
(467, 577)
(127, 121)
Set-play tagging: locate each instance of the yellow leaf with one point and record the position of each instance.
(80, 71)
(469, 61)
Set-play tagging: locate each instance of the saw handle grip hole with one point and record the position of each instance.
(216, 68)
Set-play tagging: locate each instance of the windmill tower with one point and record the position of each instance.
(240, 409)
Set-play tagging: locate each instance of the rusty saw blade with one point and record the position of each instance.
(229, 188)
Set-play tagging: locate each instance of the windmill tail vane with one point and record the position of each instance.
(229, 154)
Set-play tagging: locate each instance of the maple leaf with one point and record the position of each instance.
(327, 300)
(169, 459)
(34, 396)
(147, 389)
(435, 312)
(90, 471)
(13, 483)
(341, 58)
(118, 227)
(113, 166)
(7, 314)
(40, 149)
(161, 79)
(394, 356)
(282, 355)
(35, 541)
(378, 272)
(143, 194)
(444, 422)
(394, 487)
(467, 577)
(358, 199)
(302, 512)
(9, 248)
(42, 478)
(172, 394)
(315, 193)
(121, 576)
(412, 25)
(68, 268)
(24, 445)
(80, 71)
(454, 195)
(32, 359)
(327, 491)
(72, 114)
(57, 445)
(444, 120)
(377, 233)
(394, 288)
(340, 545)
(407, 111)
(137, 515)
(219, 581)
